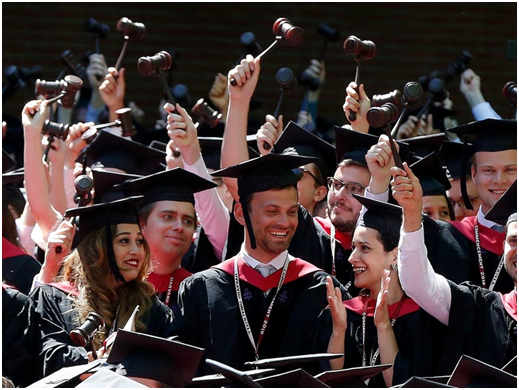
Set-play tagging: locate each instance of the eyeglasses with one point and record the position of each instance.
(300, 172)
(336, 185)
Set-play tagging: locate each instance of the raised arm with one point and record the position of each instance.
(419, 281)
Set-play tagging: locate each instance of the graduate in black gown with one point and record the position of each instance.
(382, 325)
(238, 312)
(105, 274)
(481, 323)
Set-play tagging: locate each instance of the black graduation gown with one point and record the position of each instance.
(211, 318)
(161, 284)
(18, 268)
(310, 242)
(56, 318)
(419, 337)
(201, 254)
(480, 326)
(17, 343)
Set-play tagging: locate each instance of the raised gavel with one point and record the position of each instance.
(124, 120)
(395, 97)
(53, 129)
(16, 78)
(99, 30)
(63, 91)
(287, 82)
(510, 92)
(381, 116)
(132, 31)
(458, 67)
(72, 65)
(206, 114)
(284, 31)
(251, 46)
(157, 64)
(84, 334)
(83, 194)
(330, 35)
(362, 50)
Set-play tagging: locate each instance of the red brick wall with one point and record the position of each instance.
(413, 39)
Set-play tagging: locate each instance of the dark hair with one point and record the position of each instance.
(388, 241)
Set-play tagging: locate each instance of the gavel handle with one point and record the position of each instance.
(167, 89)
(123, 52)
(266, 145)
(278, 39)
(353, 116)
(94, 352)
(56, 98)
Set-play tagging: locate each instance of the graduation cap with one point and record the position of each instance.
(211, 149)
(104, 182)
(417, 382)
(351, 377)
(488, 135)
(65, 377)
(295, 378)
(381, 216)
(450, 156)
(174, 184)
(232, 374)
(511, 366)
(159, 146)
(504, 207)
(103, 215)
(470, 372)
(150, 136)
(352, 145)
(147, 356)
(293, 362)
(112, 151)
(13, 177)
(262, 174)
(296, 140)
(423, 145)
(433, 178)
(220, 380)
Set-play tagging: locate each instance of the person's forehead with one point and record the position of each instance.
(503, 157)
(352, 173)
(162, 206)
(275, 194)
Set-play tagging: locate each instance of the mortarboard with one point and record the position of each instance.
(158, 135)
(103, 215)
(381, 216)
(511, 366)
(174, 184)
(104, 182)
(449, 155)
(351, 377)
(232, 374)
(293, 362)
(295, 378)
(219, 380)
(112, 151)
(159, 146)
(296, 140)
(211, 149)
(423, 145)
(470, 372)
(432, 175)
(262, 174)
(13, 177)
(147, 356)
(504, 207)
(353, 145)
(66, 376)
(417, 382)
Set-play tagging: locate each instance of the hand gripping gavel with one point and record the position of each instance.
(510, 92)
(53, 129)
(84, 334)
(284, 31)
(437, 93)
(131, 31)
(362, 50)
(287, 82)
(206, 113)
(67, 90)
(157, 64)
(124, 120)
(99, 30)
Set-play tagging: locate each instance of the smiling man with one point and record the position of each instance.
(263, 302)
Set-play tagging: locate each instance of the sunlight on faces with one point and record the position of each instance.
(169, 228)
(454, 194)
(495, 172)
(436, 207)
(510, 253)
(129, 251)
(307, 187)
(369, 259)
(274, 218)
(343, 208)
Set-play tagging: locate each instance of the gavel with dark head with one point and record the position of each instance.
(99, 30)
(181, 95)
(132, 31)
(394, 97)
(83, 194)
(124, 120)
(205, 113)
(330, 35)
(157, 64)
(284, 31)
(84, 334)
(65, 89)
(362, 50)
(510, 92)
(458, 67)
(379, 117)
(16, 77)
(53, 129)
(72, 65)
(251, 46)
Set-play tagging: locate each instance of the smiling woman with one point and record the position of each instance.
(105, 275)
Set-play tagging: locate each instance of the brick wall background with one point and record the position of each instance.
(413, 39)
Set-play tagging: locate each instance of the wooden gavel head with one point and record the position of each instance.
(394, 97)
(437, 89)
(93, 26)
(134, 31)
(48, 89)
(72, 86)
(510, 92)
(286, 80)
(125, 116)
(72, 64)
(291, 34)
(328, 32)
(158, 63)
(248, 40)
(206, 113)
(378, 117)
(364, 50)
(59, 130)
(412, 93)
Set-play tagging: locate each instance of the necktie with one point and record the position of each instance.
(265, 269)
